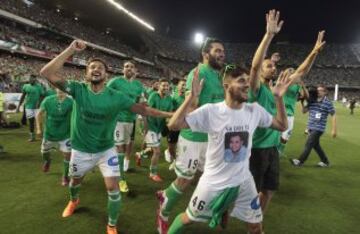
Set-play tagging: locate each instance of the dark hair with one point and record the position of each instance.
(163, 80)
(207, 45)
(91, 60)
(233, 71)
(313, 94)
(130, 61)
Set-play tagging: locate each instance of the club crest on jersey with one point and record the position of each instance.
(113, 161)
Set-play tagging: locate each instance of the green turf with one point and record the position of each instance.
(310, 200)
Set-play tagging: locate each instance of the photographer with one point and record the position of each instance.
(319, 107)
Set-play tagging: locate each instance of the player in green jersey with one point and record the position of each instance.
(264, 162)
(32, 93)
(192, 145)
(128, 85)
(161, 101)
(56, 110)
(173, 136)
(95, 112)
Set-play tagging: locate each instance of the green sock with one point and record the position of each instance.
(172, 194)
(74, 192)
(114, 204)
(121, 165)
(176, 226)
(46, 157)
(66, 168)
(153, 170)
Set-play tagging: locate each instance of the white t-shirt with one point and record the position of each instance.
(230, 134)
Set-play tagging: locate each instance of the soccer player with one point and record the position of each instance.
(224, 182)
(264, 161)
(154, 88)
(173, 136)
(32, 94)
(318, 109)
(56, 110)
(126, 119)
(92, 128)
(192, 144)
(298, 88)
(162, 101)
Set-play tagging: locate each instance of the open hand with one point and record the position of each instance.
(197, 84)
(319, 45)
(273, 26)
(282, 84)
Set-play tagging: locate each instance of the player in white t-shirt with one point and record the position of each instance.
(227, 180)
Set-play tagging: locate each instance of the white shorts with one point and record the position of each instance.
(31, 113)
(123, 132)
(287, 134)
(191, 157)
(246, 206)
(64, 146)
(107, 162)
(152, 139)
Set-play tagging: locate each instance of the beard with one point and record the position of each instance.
(214, 63)
(96, 82)
(236, 96)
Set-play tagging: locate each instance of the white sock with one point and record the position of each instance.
(126, 164)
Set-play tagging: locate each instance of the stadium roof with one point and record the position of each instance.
(230, 20)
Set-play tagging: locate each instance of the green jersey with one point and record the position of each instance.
(290, 99)
(164, 104)
(58, 116)
(133, 89)
(212, 92)
(148, 92)
(265, 137)
(177, 100)
(94, 117)
(33, 95)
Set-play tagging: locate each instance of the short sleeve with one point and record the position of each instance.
(151, 100)
(265, 118)
(112, 83)
(199, 119)
(72, 87)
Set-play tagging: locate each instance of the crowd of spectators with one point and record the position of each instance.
(66, 25)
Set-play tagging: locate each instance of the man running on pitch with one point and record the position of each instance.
(93, 123)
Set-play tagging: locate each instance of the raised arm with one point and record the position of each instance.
(178, 121)
(50, 70)
(282, 84)
(305, 67)
(273, 26)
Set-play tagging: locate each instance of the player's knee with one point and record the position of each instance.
(182, 183)
(283, 141)
(185, 219)
(254, 228)
(75, 181)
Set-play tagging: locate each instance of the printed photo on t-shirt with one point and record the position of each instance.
(235, 146)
